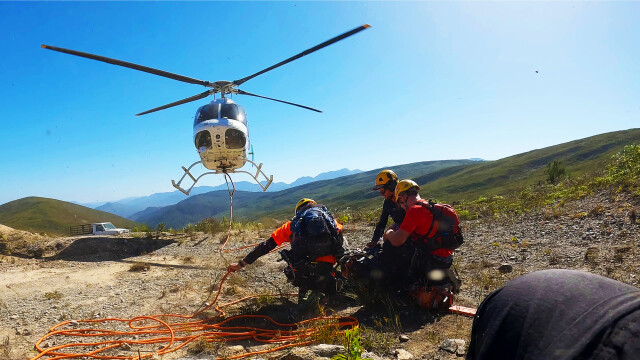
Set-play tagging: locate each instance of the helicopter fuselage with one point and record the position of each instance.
(221, 135)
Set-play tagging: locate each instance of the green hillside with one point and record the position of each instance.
(37, 214)
(453, 180)
(505, 176)
(351, 190)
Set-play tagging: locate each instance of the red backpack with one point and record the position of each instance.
(448, 227)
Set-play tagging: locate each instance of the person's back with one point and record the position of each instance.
(316, 234)
(316, 245)
(560, 315)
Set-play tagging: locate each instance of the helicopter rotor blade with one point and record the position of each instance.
(179, 102)
(242, 92)
(130, 65)
(306, 52)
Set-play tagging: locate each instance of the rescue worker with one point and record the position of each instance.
(312, 255)
(415, 226)
(386, 182)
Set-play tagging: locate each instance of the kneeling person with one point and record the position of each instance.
(316, 240)
(420, 227)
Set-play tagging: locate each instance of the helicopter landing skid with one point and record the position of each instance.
(195, 179)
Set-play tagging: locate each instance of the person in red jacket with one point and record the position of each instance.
(418, 225)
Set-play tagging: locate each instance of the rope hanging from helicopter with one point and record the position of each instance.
(232, 190)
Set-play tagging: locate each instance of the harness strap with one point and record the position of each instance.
(429, 206)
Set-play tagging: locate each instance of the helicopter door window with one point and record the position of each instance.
(234, 139)
(229, 111)
(203, 139)
(207, 112)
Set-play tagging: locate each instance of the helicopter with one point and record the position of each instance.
(220, 128)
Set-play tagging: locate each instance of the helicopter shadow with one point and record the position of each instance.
(96, 248)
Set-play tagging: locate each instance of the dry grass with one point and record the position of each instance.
(5, 348)
(55, 295)
(204, 347)
(140, 266)
(591, 255)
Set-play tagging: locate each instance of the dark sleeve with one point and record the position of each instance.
(382, 223)
(397, 214)
(260, 250)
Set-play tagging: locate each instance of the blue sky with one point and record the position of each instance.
(428, 81)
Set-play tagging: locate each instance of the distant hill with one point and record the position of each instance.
(450, 180)
(339, 192)
(37, 214)
(128, 207)
(508, 175)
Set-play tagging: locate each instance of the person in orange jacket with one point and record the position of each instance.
(307, 269)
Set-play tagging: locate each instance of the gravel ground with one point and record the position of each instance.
(90, 277)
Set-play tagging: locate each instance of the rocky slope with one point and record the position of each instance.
(84, 278)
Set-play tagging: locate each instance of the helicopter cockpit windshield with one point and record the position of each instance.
(206, 112)
(233, 111)
(227, 111)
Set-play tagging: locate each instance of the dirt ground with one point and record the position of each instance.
(92, 278)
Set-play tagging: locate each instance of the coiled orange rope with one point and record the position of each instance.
(171, 332)
(173, 335)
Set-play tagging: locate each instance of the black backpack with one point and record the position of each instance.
(448, 227)
(316, 234)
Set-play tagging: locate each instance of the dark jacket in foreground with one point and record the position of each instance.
(559, 315)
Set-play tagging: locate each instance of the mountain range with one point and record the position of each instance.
(129, 206)
(444, 180)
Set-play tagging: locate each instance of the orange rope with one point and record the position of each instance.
(172, 336)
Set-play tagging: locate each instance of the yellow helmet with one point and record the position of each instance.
(386, 178)
(303, 202)
(406, 185)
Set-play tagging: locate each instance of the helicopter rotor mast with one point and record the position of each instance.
(223, 87)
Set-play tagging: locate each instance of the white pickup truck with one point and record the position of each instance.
(105, 228)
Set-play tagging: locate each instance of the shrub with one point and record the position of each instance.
(352, 348)
(554, 171)
(624, 168)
